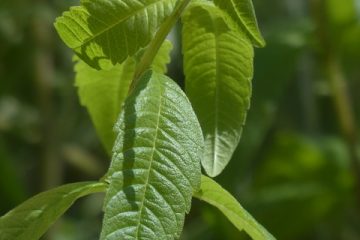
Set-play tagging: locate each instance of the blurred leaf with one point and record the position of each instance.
(105, 33)
(243, 13)
(341, 19)
(218, 60)
(156, 163)
(11, 188)
(30, 220)
(300, 181)
(350, 46)
(341, 13)
(214, 194)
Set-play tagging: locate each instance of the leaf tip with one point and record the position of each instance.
(213, 171)
(259, 42)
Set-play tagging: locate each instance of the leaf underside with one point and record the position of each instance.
(243, 13)
(104, 33)
(218, 65)
(212, 193)
(31, 219)
(156, 163)
(103, 92)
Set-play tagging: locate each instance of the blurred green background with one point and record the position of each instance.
(297, 166)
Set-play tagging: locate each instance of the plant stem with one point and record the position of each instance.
(158, 40)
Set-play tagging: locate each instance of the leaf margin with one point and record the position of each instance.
(53, 210)
(231, 208)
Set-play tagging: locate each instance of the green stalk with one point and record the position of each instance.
(158, 40)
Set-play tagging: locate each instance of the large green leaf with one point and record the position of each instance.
(30, 220)
(102, 31)
(103, 92)
(156, 163)
(212, 193)
(242, 11)
(218, 61)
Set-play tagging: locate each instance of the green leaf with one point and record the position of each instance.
(218, 60)
(11, 187)
(156, 163)
(212, 193)
(103, 33)
(103, 92)
(162, 58)
(30, 220)
(242, 11)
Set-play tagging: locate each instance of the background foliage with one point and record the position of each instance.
(293, 169)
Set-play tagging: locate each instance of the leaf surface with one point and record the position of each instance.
(104, 33)
(31, 219)
(242, 11)
(212, 193)
(218, 61)
(103, 92)
(155, 165)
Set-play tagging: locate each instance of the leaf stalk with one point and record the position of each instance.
(158, 40)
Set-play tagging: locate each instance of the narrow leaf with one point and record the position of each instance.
(156, 163)
(103, 92)
(242, 11)
(212, 193)
(103, 33)
(218, 60)
(30, 220)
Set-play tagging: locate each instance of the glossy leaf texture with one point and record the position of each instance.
(156, 163)
(104, 33)
(218, 64)
(31, 219)
(243, 13)
(103, 92)
(212, 193)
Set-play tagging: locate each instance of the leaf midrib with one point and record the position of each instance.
(216, 101)
(121, 20)
(150, 165)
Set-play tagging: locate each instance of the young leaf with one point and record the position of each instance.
(103, 92)
(242, 11)
(103, 33)
(156, 163)
(218, 60)
(212, 193)
(30, 220)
